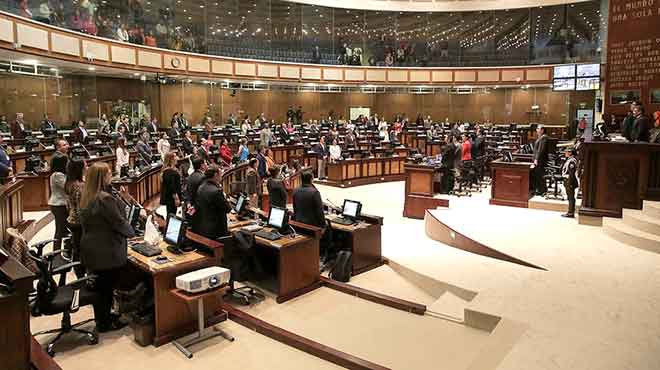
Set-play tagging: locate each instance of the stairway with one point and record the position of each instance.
(637, 228)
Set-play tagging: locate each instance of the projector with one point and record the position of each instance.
(204, 279)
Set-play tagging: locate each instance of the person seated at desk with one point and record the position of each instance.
(103, 247)
(170, 188)
(143, 148)
(47, 124)
(80, 134)
(277, 194)
(307, 203)
(122, 155)
(211, 206)
(18, 127)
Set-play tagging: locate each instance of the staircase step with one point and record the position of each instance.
(618, 230)
(640, 220)
(651, 208)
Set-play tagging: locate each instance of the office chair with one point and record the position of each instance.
(462, 181)
(241, 261)
(53, 299)
(553, 177)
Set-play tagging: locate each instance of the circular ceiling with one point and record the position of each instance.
(434, 5)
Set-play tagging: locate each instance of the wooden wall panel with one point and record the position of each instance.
(465, 76)
(176, 62)
(310, 73)
(442, 76)
(6, 30)
(149, 59)
(31, 36)
(397, 75)
(376, 75)
(95, 50)
(513, 75)
(488, 75)
(332, 74)
(122, 55)
(538, 74)
(245, 69)
(199, 65)
(354, 75)
(420, 76)
(222, 67)
(290, 72)
(267, 70)
(64, 44)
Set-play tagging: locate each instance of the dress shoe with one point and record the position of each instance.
(568, 215)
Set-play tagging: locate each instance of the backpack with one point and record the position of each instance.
(343, 267)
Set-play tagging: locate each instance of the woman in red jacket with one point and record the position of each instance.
(467, 148)
(225, 152)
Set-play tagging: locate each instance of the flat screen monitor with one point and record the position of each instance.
(563, 84)
(587, 83)
(240, 204)
(564, 71)
(588, 70)
(351, 208)
(173, 230)
(277, 217)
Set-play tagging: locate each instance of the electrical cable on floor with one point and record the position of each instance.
(443, 316)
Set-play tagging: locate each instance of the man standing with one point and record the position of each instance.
(80, 134)
(641, 127)
(4, 126)
(152, 127)
(299, 115)
(448, 165)
(47, 124)
(568, 172)
(253, 186)
(322, 153)
(18, 127)
(211, 206)
(628, 122)
(231, 121)
(307, 203)
(5, 162)
(540, 159)
(143, 148)
(192, 185)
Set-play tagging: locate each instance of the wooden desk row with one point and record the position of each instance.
(354, 172)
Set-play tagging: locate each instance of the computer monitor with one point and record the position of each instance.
(174, 230)
(277, 218)
(240, 204)
(351, 209)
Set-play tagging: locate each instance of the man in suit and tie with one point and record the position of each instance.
(231, 121)
(322, 152)
(80, 134)
(448, 165)
(152, 127)
(540, 160)
(188, 145)
(5, 162)
(143, 148)
(18, 127)
(307, 203)
(47, 124)
(174, 132)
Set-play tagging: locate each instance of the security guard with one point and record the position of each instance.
(568, 172)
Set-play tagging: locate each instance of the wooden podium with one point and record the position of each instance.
(419, 190)
(511, 183)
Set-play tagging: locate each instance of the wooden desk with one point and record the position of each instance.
(297, 263)
(143, 187)
(15, 336)
(511, 183)
(364, 241)
(173, 317)
(617, 176)
(419, 191)
(38, 186)
(355, 172)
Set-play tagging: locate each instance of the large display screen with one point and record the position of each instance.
(588, 70)
(566, 71)
(563, 84)
(588, 83)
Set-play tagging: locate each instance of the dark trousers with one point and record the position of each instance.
(104, 285)
(570, 193)
(76, 234)
(448, 180)
(539, 182)
(171, 208)
(60, 213)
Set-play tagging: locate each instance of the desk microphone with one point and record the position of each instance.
(333, 206)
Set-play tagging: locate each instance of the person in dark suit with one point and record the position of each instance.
(103, 244)
(322, 152)
(211, 206)
(568, 172)
(170, 188)
(143, 148)
(18, 127)
(188, 145)
(47, 124)
(307, 203)
(192, 185)
(152, 127)
(174, 131)
(540, 160)
(253, 187)
(261, 166)
(627, 124)
(448, 164)
(277, 195)
(641, 126)
(5, 162)
(80, 134)
(478, 142)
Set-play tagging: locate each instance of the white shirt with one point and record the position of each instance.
(83, 131)
(335, 152)
(122, 159)
(163, 147)
(122, 34)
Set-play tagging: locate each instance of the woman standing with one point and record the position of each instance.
(57, 200)
(74, 188)
(122, 155)
(163, 145)
(170, 186)
(103, 243)
(243, 151)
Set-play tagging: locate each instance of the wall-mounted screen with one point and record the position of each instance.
(563, 84)
(588, 83)
(624, 96)
(565, 71)
(588, 70)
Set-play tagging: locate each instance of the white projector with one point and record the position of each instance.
(204, 279)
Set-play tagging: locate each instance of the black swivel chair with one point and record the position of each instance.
(53, 299)
(240, 259)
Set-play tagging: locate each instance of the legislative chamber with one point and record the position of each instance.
(306, 184)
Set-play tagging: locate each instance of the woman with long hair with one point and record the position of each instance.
(73, 188)
(57, 200)
(170, 186)
(122, 155)
(103, 246)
